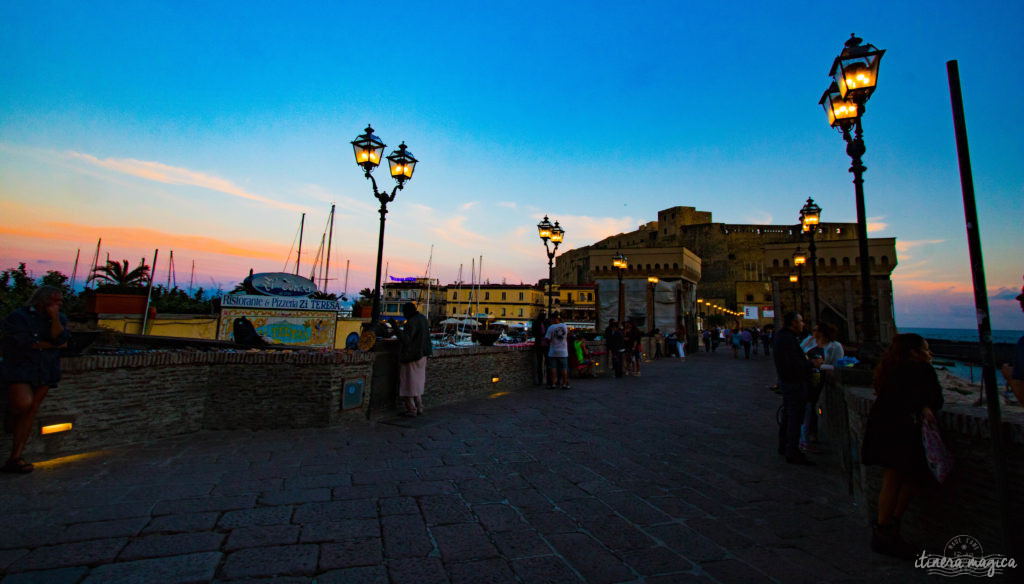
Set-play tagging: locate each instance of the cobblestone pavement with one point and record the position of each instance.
(668, 477)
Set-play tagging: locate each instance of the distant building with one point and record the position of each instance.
(426, 293)
(512, 303)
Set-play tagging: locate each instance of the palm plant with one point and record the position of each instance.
(119, 276)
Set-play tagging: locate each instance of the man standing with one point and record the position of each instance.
(558, 353)
(33, 337)
(616, 344)
(794, 372)
(1014, 372)
(414, 337)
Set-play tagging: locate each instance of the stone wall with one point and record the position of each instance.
(114, 400)
(968, 502)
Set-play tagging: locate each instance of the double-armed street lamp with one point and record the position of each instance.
(855, 75)
(810, 214)
(368, 149)
(554, 234)
(620, 263)
(653, 281)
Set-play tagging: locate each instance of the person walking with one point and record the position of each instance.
(538, 327)
(557, 336)
(415, 347)
(908, 392)
(735, 341)
(746, 340)
(706, 337)
(632, 336)
(33, 337)
(794, 371)
(681, 340)
(767, 334)
(616, 344)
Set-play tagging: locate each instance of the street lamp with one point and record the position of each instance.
(620, 263)
(554, 234)
(794, 279)
(368, 149)
(810, 215)
(653, 281)
(855, 75)
(799, 259)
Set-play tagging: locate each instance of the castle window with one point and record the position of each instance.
(657, 266)
(785, 263)
(846, 261)
(675, 266)
(832, 262)
(487, 295)
(775, 263)
(732, 256)
(750, 297)
(502, 295)
(885, 260)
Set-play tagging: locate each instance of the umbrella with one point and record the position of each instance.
(451, 321)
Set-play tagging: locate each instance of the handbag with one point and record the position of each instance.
(940, 459)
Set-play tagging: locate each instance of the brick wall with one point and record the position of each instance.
(121, 399)
(967, 503)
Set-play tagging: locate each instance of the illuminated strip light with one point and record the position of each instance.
(54, 428)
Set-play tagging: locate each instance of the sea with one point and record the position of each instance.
(968, 371)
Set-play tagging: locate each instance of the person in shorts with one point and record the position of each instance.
(557, 336)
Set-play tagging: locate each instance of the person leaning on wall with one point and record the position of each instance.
(33, 337)
(414, 337)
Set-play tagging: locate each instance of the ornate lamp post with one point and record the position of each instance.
(368, 149)
(620, 263)
(554, 234)
(799, 259)
(794, 279)
(855, 74)
(810, 214)
(653, 281)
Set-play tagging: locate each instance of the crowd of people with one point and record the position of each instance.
(740, 339)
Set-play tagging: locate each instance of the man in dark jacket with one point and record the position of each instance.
(616, 344)
(794, 371)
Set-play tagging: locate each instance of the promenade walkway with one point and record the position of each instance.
(668, 477)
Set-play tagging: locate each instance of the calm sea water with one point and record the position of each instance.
(968, 335)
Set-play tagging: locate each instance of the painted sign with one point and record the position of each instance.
(768, 312)
(277, 302)
(305, 328)
(749, 313)
(282, 284)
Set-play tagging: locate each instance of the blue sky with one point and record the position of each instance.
(208, 128)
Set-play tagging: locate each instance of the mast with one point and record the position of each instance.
(149, 291)
(330, 237)
(74, 271)
(344, 290)
(170, 271)
(298, 256)
(430, 261)
(192, 277)
(95, 260)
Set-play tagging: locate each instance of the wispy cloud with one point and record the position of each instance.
(759, 217)
(506, 204)
(876, 224)
(592, 229)
(454, 230)
(174, 175)
(468, 206)
(904, 245)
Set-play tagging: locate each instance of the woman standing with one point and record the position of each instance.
(824, 355)
(907, 391)
(414, 337)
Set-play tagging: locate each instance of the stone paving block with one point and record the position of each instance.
(586, 509)
(422, 488)
(361, 575)
(294, 496)
(182, 523)
(262, 535)
(175, 544)
(234, 486)
(96, 551)
(617, 534)
(529, 500)
(7, 557)
(493, 571)
(445, 509)
(463, 541)
(521, 543)
(205, 504)
(687, 542)
(398, 506)
(328, 481)
(344, 530)
(544, 570)
(335, 511)
(347, 492)
(123, 510)
(101, 529)
(633, 508)
(684, 578)
(58, 576)
(405, 536)
(448, 473)
(548, 522)
(165, 492)
(288, 560)
(184, 569)
(419, 570)
(733, 571)
(350, 554)
(595, 563)
(258, 516)
(654, 561)
(498, 517)
(479, 490)
(719, 531)
(383, 477)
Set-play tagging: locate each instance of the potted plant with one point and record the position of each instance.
(120, 290)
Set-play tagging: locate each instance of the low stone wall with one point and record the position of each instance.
(968, 502)
(114, 400)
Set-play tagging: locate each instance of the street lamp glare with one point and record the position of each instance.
(855, 70)
(652, 279)
(402, 164)
(799, 257)
(810, 215)
(557, 233)
(544, 228)
(841, 112)
(368, 149)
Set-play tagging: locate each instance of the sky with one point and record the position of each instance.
(209, 128)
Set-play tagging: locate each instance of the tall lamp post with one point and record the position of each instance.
(855, 75)
(554, 234)
(810, 214)
(368, 149)
(799, 259)
(653, 281)
(794, 279)
(620, 263)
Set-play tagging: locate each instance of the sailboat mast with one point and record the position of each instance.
(74, 271)
(298, 256)
(330, 238)
(96, 258)
(192, 277)
(344, 290)
(170, 269)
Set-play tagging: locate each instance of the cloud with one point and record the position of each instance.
(468, 206)
(1004, 293)
(876, 224)
(453, 230)
(593, 229)
(506, 204)
(759, 217)
(173, 175)
(905, 245)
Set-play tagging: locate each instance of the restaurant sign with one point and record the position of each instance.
(282, 284)
(278, 302)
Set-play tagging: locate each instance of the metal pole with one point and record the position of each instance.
(330, 238)
(149, 292)
(980, 298)
(654, 307)
(800, 285)
(855, 149)
(814, 276)
(375, 311)
(298, 256)
(622, 308)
